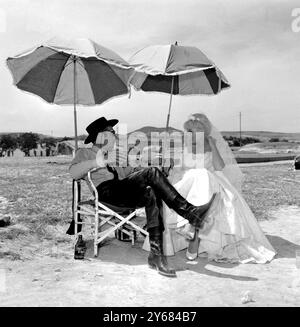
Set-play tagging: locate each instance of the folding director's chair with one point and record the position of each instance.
(101, 213)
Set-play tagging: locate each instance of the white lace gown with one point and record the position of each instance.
(234, 234)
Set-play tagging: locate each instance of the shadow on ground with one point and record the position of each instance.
(283, 247)
(124, 253)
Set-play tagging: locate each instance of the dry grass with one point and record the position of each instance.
(39, 197)
(269, 187)
(39, 193)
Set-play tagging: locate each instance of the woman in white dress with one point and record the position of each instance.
(231, 233)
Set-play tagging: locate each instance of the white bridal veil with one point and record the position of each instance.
(231, 169)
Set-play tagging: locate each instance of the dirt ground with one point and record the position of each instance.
(47, 275)
(120, 276)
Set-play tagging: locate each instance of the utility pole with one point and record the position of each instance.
(240, 129)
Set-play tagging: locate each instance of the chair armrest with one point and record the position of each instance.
(91, 184)
(93, 169)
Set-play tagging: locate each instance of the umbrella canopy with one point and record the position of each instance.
(77, 71)
(187, 68)
(175, 69)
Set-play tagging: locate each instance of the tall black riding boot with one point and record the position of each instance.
(157, 260)
(194, 214)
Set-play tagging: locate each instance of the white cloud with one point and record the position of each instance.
(252, 43)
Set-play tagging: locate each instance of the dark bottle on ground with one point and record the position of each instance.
(80, 248)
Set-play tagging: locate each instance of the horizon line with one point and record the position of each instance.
(227, 131)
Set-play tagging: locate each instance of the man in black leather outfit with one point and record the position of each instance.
(135, 188)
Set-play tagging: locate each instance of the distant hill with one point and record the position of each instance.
(149, 129)
(271, 147)
(263, 135)
(41, 136)
(16, 134)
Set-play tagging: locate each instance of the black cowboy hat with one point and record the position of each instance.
(98, 126)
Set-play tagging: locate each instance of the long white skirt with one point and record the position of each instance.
(233, 233)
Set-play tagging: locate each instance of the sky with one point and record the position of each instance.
(256, 44)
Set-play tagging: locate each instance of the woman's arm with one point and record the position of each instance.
(218, 162)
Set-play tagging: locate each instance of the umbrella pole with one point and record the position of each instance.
(78, 195)
(74, 94)
(170, 104)
(168, 120)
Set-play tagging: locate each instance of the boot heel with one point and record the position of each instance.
(152, 266)
(160, 264)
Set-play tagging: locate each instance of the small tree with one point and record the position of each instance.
(8, 143)
(49, 143)
(274, 139)
(236, 141)
(28, 141)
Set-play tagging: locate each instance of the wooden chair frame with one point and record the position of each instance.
(102, 213)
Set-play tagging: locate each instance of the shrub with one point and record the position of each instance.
(274, 139)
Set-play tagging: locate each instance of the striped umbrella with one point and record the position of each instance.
(76, 71)
(175, 69)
